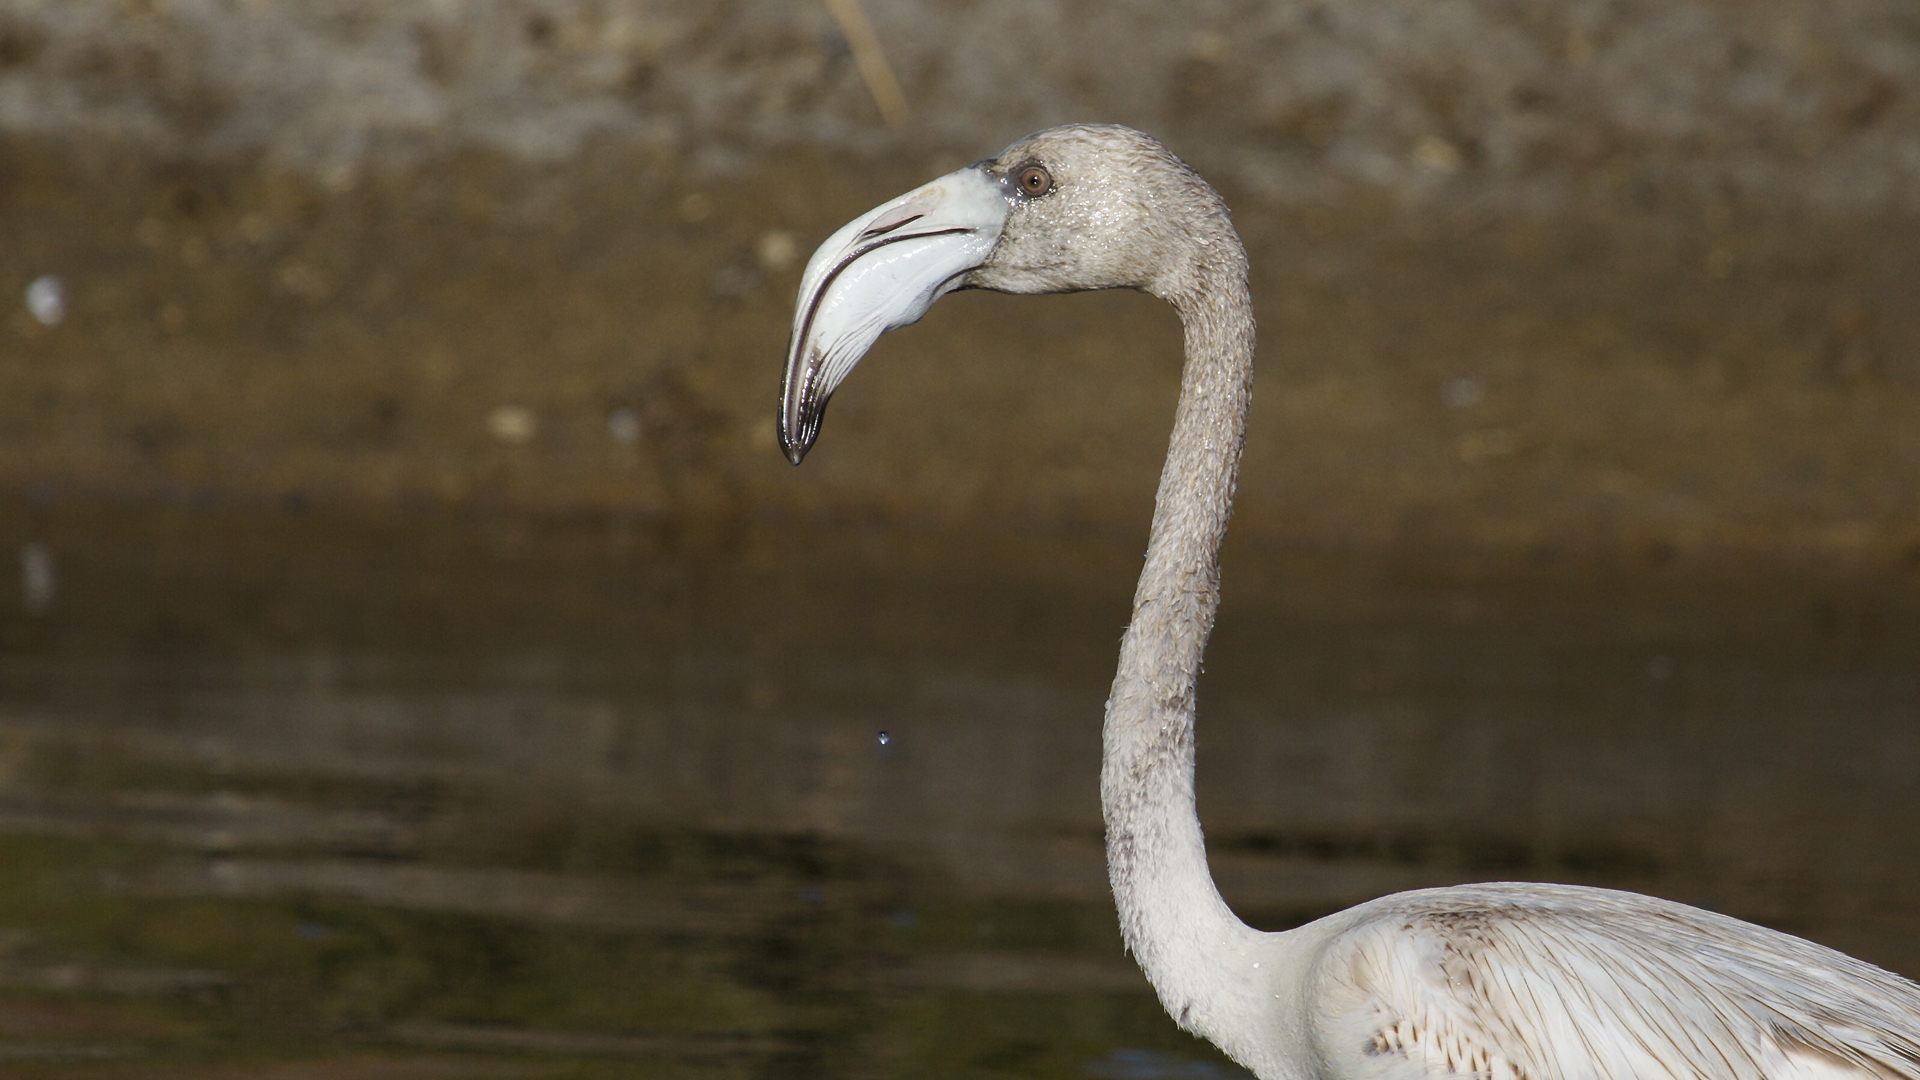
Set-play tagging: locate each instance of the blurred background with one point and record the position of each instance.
(420, 661)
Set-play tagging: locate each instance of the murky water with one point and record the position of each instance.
(309, 794)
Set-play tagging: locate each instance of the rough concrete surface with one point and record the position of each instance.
(1585, 275)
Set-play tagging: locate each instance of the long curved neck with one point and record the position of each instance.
(1191, 946)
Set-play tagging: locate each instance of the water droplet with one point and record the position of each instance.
(512, 424)
(885, 738)
(1436, 153)
(1462, 392)
(37, 581)
(623, 424)
(47, 300)
(777, 250)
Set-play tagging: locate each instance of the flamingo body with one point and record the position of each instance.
(1504, 981)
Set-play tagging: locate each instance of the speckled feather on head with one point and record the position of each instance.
(1509, 981)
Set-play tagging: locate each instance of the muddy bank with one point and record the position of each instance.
(1640, 372)
(1607, 277)
(1463, 100)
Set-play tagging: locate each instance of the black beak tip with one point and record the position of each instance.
(797, 438)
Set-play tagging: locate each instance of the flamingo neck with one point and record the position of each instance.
(1197, 954)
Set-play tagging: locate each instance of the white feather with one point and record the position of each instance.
(1590, 984)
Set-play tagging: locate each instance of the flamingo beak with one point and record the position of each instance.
(880, 272)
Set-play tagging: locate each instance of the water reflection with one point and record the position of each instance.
(457, 795)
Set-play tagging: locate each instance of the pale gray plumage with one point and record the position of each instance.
(1509, 981)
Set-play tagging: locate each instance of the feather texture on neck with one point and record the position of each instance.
(1192, 947)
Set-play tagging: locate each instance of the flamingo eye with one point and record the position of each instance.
(1034, 180)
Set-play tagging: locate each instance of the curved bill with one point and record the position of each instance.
(879, 273)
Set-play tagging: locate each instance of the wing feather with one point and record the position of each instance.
(1551, 982)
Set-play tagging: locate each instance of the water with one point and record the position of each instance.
(449, 795)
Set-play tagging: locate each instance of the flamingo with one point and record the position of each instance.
(1504, 981)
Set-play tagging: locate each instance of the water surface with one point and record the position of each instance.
(310, 793)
